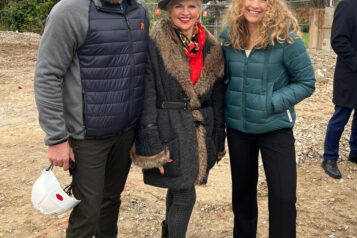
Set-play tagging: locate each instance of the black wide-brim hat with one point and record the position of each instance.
(163, 4)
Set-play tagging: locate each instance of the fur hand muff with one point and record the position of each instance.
(148, 162)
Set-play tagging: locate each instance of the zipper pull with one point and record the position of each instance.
(289, 115)
(127, 22)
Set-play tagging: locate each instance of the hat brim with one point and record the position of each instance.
(163, 4)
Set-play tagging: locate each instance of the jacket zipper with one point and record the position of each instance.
(85, 112)
(244, 85)
(132, 66)
(245, 72)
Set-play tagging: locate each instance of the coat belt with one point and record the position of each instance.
(180, 105)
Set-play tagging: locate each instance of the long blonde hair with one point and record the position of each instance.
(276, 25)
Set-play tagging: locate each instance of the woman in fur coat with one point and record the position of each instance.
(181, 133)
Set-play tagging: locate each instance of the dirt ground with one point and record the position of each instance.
(326, 207)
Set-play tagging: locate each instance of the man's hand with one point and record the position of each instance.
(60, 154)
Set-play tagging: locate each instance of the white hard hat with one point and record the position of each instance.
(48, 197)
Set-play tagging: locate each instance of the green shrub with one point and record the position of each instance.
(337, 2)
(305, 38)
(209, 20)
(26, 15)
(304, 25)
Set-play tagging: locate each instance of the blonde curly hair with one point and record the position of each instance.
(276, 25)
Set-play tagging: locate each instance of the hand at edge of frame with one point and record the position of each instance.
(59, 154)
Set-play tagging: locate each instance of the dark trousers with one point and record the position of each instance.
(334, 131)
(102, 167)
(179, 205)
(278, 154)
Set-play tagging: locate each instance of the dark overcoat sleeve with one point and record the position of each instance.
(148, 151)
(344, 23)
(218, 104)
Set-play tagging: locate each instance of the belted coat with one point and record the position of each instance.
(192, 135)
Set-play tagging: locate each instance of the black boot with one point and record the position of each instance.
(352, 158)
(165, 231)
(330, 167)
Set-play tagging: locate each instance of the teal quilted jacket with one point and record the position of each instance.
(264, 87)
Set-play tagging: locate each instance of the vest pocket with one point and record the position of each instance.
(173, 169)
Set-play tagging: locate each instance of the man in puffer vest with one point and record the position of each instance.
(89, 89)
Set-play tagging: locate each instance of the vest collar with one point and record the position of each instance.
(112, 5)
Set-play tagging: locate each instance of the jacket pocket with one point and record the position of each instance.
(268, 101)
(173, 169)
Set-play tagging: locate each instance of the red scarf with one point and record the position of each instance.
(195, 55)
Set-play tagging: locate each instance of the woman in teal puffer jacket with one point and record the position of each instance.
(268, 71)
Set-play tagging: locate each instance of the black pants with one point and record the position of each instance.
(278, 154)
(102, 167)
(179, 205)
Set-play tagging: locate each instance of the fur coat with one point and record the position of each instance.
(191, 138)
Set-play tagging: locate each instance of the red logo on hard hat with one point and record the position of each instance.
(59, 197)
